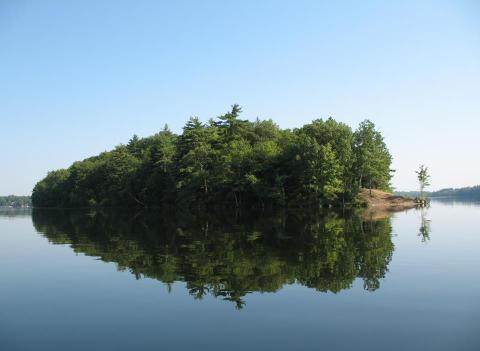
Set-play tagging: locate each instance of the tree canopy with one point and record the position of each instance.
(227, 160)
(423, 176)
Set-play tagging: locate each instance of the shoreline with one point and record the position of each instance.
(380, 204)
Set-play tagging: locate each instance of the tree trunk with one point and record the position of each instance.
(236, 200)
(137, 200)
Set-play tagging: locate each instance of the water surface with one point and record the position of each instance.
(120, 281)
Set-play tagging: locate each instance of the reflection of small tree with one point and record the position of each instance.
(424, 231)
(423, 176)
(198, 292)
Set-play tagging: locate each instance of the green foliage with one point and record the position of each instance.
(319, 171)
(372, 159)
(227, 161)
(423, 176)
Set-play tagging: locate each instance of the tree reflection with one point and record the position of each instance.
(228, 256)
(424, 231)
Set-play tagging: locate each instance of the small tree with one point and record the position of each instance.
(423, 176)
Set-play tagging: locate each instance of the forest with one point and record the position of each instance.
(227, 161)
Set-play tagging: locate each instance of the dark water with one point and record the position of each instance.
(284, 281)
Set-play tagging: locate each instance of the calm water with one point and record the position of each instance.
(104, 281)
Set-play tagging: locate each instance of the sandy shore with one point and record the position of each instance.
(381, 204)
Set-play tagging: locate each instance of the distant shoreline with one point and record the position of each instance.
(467, 193)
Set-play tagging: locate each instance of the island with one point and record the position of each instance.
(231, 162)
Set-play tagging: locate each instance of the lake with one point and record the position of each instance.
(85, 280)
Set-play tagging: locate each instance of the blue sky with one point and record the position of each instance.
(79, 77)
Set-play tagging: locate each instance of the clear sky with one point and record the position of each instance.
(79, 77)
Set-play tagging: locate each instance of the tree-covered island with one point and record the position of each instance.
(231, 161)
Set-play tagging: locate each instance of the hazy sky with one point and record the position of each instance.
(79, 77)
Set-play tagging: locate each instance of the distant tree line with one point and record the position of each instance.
(468, 192)
(472, 193)
(15, 201)
(227, 160)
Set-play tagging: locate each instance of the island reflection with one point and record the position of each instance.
(230, 256)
